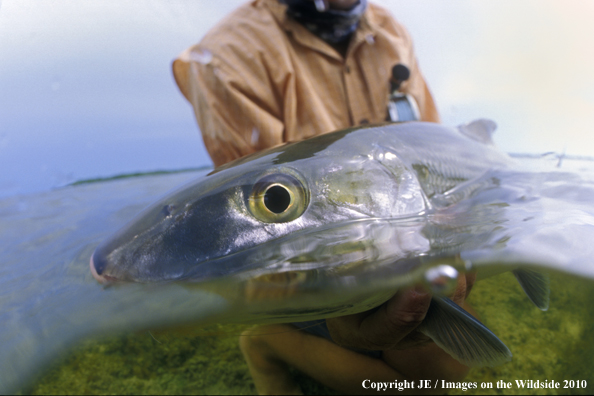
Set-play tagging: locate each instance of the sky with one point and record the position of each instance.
(86, 88)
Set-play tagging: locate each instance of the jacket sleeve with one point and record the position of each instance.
(234, 101)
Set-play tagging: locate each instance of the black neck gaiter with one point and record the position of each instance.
(332, 26)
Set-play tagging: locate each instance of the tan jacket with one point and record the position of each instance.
(259, 78)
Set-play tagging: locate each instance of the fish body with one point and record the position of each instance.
(303, 223)
(392, 171)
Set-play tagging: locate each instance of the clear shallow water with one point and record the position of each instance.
(49, 300)
(556, 344)
(88, 92)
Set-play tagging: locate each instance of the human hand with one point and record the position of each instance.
(392, 325)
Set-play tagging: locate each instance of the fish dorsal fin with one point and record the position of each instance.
(535, 285)
(462, 336)
(480, 130)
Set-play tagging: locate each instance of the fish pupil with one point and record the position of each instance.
(277, 199)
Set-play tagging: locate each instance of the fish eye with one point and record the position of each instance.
(278, 198)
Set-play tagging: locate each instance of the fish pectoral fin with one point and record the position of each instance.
(535, 285)
(462, 336)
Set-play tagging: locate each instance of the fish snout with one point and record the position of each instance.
(97, 269)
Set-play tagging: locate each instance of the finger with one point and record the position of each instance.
(470, 279)
(345, 331)
(459, 294)
(385, 327)
(397, 317)
(463, 287)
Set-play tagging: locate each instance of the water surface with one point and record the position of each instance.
(542, 215)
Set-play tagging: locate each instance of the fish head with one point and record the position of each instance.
(254, 201)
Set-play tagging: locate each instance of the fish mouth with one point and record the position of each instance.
(97, 271)
(336, 244)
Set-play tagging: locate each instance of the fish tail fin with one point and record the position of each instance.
(535, 285)
(462, 336)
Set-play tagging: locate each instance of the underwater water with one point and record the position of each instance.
(553, 345)
(50, 303)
